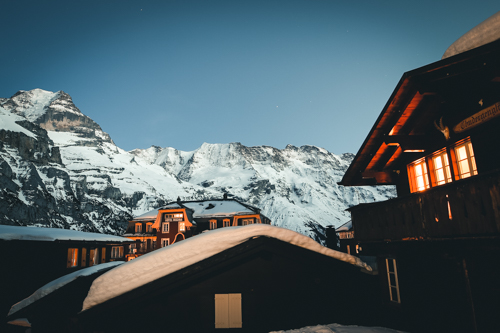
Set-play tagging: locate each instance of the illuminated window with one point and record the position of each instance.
(165, 242)
(246, 221)
(103, 255)
(72, 258)
(165, 227)
(116, 252)
(182, 227)
(417, 174)
(213, 224)
(441, 168)
(169, 217)
(94, 257)
(138, 228)
(466, 163)
(149, 227)
(226, 223)
(392, 278)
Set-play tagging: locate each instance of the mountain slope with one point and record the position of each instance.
(59, 168)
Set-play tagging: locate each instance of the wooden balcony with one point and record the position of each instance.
(462, 209)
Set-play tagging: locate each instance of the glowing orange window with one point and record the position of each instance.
(466, 162)
(418, 177)
(441, 166)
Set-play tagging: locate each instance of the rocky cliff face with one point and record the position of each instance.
(58, 168)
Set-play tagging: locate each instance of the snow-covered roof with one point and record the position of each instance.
(151, 215)
(162, 262)
(486, 32)
(218, 208)
(337, 328)
(345, 227)
(205, 208)
(60, 282)
(8, 232)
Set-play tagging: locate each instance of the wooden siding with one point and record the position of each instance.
(474, 205)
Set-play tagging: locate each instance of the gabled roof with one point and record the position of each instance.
(408, 121)
(8, 232)
(168, 260)
(205, 208)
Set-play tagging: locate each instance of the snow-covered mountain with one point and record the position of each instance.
(59, 168)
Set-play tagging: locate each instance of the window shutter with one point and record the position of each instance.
(221, 311)
(235, 311)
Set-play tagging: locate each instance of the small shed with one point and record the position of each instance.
(255, 278)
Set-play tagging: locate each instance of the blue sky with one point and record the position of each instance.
(180, 73)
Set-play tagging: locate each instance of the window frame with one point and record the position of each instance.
(470, 158)
(72, 257)
(212, 225)
(165, 241)
(182, 226)
(138, 228)
(116, 252)
(226, 223)
(167, 224)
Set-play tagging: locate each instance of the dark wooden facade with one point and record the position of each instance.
(438, 243)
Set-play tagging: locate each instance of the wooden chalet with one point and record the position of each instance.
(247, 279)
(438, 242)
(179, 220)
(35, 256)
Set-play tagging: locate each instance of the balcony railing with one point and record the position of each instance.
(465, 208)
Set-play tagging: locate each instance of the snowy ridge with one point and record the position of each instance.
(167, 260)
(80, 179)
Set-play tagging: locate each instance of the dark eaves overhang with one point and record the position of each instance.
(380, 148)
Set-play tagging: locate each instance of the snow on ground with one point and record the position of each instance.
(58, 283)
(8, 232)
(336, 328)
(8, 123)
(167, 260)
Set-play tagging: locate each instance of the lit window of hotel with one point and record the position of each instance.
(182, 227)
(149, 227)
(72, 258)
(226, 223)
(417, 174)
(247, 221)
(213, 224)
(173, 216)
(165, 242)
(165, 227)
(138, 228)
(441, 168)
(466, 162)
(116, 252)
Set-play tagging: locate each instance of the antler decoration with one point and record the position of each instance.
(443, 129)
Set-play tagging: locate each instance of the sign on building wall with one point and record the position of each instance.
(478, 118)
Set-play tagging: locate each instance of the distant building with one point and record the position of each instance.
(437, 243)
(347, 241)
(179, 220)
(34, 256)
